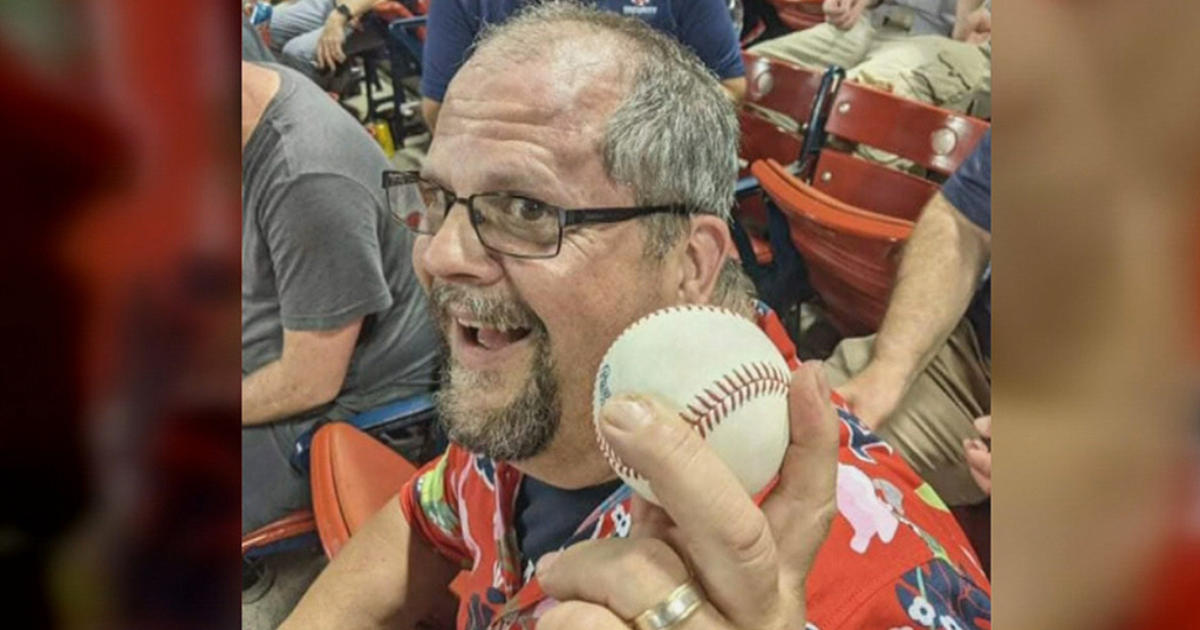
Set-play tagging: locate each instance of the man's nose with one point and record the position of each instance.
(456, 254)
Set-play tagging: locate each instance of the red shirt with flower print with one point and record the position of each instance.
(895, 556)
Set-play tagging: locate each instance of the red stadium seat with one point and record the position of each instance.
(935, 138)
(871, 186)
(799, 14)
(851, 221)
(780, 86)
(784, 89)
(851, 253)
(353, 475)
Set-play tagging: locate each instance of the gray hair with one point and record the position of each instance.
(674, 138)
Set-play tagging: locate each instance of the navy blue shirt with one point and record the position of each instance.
(705, 26)
(969, 190)
(546, 516)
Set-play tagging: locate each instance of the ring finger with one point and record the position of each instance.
(625, 575)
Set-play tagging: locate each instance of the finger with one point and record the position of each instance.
(727, 538)
(626, 576)
(979, 461)
(802, 505)
(571, 615)
(320, 55)
(983, 424)
(338, 54)
(649, 520)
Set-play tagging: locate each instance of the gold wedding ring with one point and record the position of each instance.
(682, 603)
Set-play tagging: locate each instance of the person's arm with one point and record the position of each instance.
(333, 35)
(386, 576)
(736, 88)
(706, 27)
(449, 32)
(430, 109)
(309, 373)
(321, 234)
(941, 268)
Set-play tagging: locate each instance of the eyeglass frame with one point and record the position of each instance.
(567, 217)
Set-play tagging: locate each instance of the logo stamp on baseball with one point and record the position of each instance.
(719, 371)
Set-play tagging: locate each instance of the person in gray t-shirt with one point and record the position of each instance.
(334, 322)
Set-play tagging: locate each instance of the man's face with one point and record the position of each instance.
(526, 336)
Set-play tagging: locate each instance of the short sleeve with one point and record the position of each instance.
(969, 189)
(324, 244)
(706, 27)
(429, 503)
(449, 33)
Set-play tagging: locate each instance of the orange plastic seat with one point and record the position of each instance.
(289, 527)
(352, 476)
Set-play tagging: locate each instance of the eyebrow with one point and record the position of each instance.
(499, 183)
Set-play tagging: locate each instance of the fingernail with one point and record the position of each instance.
(627, 414)
(546, 560)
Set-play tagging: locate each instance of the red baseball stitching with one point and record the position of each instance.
(724, 396)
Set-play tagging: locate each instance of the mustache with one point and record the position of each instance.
(494, 311)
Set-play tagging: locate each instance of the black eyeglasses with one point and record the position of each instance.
(509, 224)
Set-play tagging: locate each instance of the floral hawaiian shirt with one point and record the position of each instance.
(895, 557)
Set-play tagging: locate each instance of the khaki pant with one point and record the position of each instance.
(928, 68)
(937, 413)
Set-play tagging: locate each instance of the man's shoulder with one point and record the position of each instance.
(315, 136)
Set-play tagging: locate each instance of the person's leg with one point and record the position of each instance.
(271, 488)
(936, 414)
(927, 68)
(291, 20)
(821, 46)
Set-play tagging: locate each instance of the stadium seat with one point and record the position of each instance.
(799, 14)
(392, 427)
(353, 475)
(851, 254)
(851, 217)
(934, 138)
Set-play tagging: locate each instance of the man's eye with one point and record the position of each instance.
(529, 210)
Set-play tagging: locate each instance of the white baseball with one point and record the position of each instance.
(720, 371)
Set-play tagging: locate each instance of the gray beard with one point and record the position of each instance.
(522, 429)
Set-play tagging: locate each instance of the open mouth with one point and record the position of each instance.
(486, 337)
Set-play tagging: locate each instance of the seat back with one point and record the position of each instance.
(799, 14)
(935, 138)
(762, 139)
(871, 186)
(779, 86)
(851, 254)
(352, 477)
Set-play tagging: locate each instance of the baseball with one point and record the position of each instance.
(723, 375)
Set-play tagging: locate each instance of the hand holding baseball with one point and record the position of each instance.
(749, 562)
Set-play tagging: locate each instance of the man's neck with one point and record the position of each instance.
(259, 86)
(572, 461)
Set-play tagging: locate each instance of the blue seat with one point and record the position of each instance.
(396, 424)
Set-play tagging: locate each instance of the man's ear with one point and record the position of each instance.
(708, 245)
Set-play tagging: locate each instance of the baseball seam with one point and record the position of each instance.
(717, 401)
